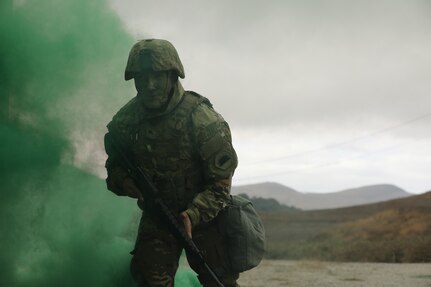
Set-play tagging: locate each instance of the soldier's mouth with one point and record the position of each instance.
(149, 96)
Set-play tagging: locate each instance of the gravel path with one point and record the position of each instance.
(271, 273)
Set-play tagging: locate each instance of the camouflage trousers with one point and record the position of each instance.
(157, 252)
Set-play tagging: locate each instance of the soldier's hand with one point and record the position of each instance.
(131, 189)
(187, 223)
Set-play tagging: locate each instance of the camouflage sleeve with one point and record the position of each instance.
(213, 139)
(116, 173)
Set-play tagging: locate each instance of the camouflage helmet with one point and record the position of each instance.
(155, 55)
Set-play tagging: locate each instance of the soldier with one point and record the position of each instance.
(185, 148)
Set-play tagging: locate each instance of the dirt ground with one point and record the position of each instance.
(330, 274)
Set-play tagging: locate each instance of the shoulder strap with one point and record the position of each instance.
(196, 99)
(126, 115)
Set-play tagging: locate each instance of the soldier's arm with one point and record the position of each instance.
(118, 180)
(116, 173)
(213, 139)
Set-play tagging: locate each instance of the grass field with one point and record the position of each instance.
(393, 231)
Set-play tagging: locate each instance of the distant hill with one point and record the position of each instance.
(392, 231)
(267, 204)
(307, 201)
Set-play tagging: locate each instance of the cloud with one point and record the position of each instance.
(298, 61)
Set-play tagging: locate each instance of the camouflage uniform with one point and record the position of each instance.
(186, 151)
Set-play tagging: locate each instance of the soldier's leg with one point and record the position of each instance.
(155, 259)
(211, 243)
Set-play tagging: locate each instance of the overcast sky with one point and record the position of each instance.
(320, 95)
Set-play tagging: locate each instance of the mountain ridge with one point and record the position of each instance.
(311, 200)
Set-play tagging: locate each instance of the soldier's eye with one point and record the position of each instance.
(158, 75)
(141, 76)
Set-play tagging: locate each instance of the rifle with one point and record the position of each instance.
(151, 193)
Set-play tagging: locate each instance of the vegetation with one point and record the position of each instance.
(267, 204)
(394, 231)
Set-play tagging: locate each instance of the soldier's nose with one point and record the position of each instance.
(151, 83)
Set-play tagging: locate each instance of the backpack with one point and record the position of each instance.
(244, 234)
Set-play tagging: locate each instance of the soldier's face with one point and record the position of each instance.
(153, 88)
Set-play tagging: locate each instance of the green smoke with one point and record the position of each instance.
(61, 81)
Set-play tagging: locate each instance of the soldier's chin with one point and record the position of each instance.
(153, 104)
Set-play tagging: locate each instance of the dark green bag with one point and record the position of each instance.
(244, 234)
